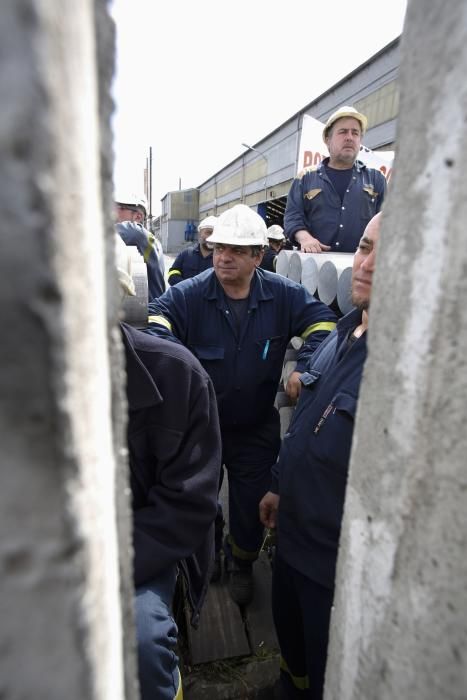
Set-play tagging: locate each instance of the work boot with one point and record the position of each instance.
(217, 569)
(241, 584)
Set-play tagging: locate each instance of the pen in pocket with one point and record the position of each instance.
(266, 348)
(326, 413)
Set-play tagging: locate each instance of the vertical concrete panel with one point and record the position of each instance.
(105, 47)
(399, 627)
(60, 632)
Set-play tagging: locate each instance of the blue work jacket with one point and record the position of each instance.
(269, 259)
(150, 249)
(311, 472)
(188, 263)
(174, 450)
(245, 368)
(314, 205)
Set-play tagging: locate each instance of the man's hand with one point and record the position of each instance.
(268, 509)
(294, 386)
(309, 244)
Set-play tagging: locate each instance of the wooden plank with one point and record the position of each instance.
(259, 613)
(221, 633)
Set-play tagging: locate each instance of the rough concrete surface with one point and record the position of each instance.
(399, 628)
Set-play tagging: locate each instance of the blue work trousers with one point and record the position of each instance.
(248, 455)
(156, 634)
(301, 611)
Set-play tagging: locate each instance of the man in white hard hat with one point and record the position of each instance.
(238, 319)
(130, 214)
(329, 205)
(174, 452)
(276, 241)
(195, 259)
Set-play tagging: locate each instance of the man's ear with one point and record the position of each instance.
(259, 257)
(139, 217)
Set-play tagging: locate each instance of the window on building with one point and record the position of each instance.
(380, 106)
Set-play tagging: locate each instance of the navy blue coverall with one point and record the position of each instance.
(245, 368)
(310, 477)
(188, 263)
(175, 457)
(315, 206)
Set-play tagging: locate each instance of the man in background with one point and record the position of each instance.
(195, 259)
(329, 205)
(276, 241)
(131, 212)
(306, 499)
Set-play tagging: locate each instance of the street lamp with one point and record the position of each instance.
(263, 155)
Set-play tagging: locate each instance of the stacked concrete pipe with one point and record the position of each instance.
(283, 262)
(135, 309)
(326, 276)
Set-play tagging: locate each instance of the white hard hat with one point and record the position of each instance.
(276, 232)
(342, 113)
(208, 222)
(123, 259)
(132, 199)
(239, 225)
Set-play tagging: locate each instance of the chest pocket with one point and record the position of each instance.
(311, 194)
(212, 359)
(334, 432)
(271, 349)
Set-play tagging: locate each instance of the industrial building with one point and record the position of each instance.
(261, 176)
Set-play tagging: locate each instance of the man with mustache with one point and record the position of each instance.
(329, 205)
(237, 320)
(306, 499)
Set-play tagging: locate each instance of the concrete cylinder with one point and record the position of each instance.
(295, 267)
(135, 309)
(327, 282)
(344, 289)
(309, 277)
(283, 262)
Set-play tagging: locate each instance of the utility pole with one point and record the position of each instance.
(150, 183)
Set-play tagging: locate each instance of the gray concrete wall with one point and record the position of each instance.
(399, 628)
(60, 586)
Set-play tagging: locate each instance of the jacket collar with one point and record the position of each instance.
(259, 289)
(358, 166)
(141, 389)
(350, 321)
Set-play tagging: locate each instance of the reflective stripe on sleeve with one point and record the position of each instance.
(147, 252)
(179, 695)
(161, 321)
(300, 682)
(322, 326)
(173, 272)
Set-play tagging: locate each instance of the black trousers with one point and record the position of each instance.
(301, 611)
(248, 455)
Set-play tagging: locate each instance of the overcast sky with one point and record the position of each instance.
(196, 79)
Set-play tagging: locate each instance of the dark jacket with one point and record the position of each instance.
(268, 261)
(150, 249)
(311, 472)
(188, 263)
(175, 457)
(314, 205)
(245, 368)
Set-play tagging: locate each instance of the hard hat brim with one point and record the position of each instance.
(345, 115)
(228, 238)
